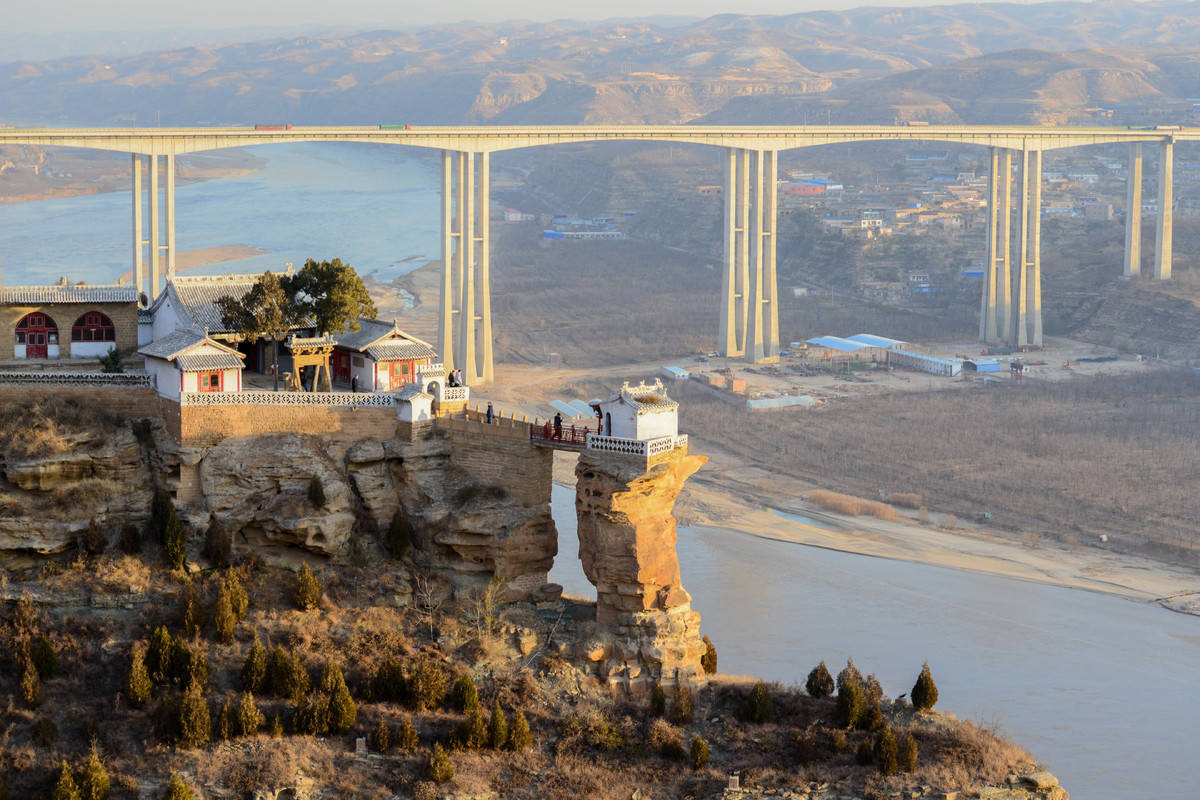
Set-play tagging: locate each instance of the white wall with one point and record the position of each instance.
(166, 320)
(365, 373)
(383, 370)
(51, 351)
(18, 351)
(145, 334)
(654, 424)
(166, 377)
(91, 349)
(623, 422)
(418, 408)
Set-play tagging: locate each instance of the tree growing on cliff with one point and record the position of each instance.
(137, 683)
(195, 720)
(924, 692)
(265, 311)
(65, 787)
(699, 753)
(708, 661)
(31, 684)
(497, 727)
(178, 789)
(520, 737)
(174, 537)
(820, 682)
(254, 669)
(886, 756)
(342, 709)
(93, 780)
(908, 753)
(758, 706)
(308, 589)
(464, 695)
(440, 768)
(851, 703)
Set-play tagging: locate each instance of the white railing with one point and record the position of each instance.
(454, 394)
(76, 379)
(377, 400)
(437, 370)
(635, 447)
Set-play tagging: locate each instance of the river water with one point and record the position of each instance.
(373, 206)
(1106, 692)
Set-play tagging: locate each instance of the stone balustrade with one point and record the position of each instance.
(378, 400)
(75, 379)
(635, 447)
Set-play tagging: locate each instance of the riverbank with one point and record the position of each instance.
(192, 259)
(735, 500)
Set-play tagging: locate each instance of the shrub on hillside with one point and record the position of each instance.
(440, 768)
(191, 613)
(137, 683)
(873, 720)
(873, 689)
(91, 540)
(406, 737)
(905, 500)
(849, 504)
(759, 706)
(174, 537)
(224, 620)
(497, 727)
(189, 664)
(924, 693)
(249, 718)
(426, 685)
(699, 753)
(658, 701)
(683, 705)
(93, 780)
(850, 672)
(908, 753)
(131, 539)
(178, 789)
(520, 737)
(708, 661)
(464, 695)
(195, 720)
(308, 589)
(472, 732)
(31, 684)
(312, 717)
(851, 703)
(227, 719)
(820, 682)
(238, 599)
(886, 756)
(381, 737)
(159, 653)
(865, 753)
(286, 676)
(65, 787)
(388, 684)
(45, 660)
(254, 669)
(342, 709)
(217, 544)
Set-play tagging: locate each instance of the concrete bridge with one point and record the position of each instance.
(1010, 308)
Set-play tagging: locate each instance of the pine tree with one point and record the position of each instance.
(195, 721)
(316, 492)
(178, 789)
(286, 676)
(254, 670)
(406, 738)
(759, 706)
(426, 685)
(885, 752)
(465, 695)
(440, 768)
(658, 701)
(174, 537)
(308, 589)
(31, 684)
(851, 703)
(924, 693)
(217, 545)
(850, 672)
(93, 782)
(224, 618)
(699, 753)
(137, 683)
(520, 738)
(159, 653)
(227, 720)
(238, 598)
(312, 718)
(820, 682)
(388, 684)
(708, 661)
(44, 658)
(249, 718)
(381, 737)
(683, 705)
(473, 732)
(908, 753)
(191, 615)
(188, 664)
(497, 727)
(65, 787)
(342, 709)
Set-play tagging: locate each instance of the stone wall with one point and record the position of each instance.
(338, 425)
(123, 316)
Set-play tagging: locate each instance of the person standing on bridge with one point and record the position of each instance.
(557, 425)
(489, 412)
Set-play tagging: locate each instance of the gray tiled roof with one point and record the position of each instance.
(45, 295)
(172, 344)
(198, 295)
(368, 331)
(399, 349)
(194, 362)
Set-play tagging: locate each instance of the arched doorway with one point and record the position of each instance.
(36, 336)
(93, 334)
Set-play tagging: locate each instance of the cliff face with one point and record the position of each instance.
(647, 631)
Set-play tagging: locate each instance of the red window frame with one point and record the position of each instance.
(92, 326)
(211, 381)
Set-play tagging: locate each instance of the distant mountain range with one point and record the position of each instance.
(995, 63)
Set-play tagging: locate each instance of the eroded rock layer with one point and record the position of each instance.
(647, 631)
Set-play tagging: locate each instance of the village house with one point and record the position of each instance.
(67, 320)
(186, 361)
(639, 412)
(380, 355)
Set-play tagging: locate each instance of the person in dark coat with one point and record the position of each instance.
(354, 384)
(489, 413)
(557, 426)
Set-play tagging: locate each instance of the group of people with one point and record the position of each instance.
(455, 378)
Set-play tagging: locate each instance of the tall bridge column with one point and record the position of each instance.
(1133, 212)
(155, 233)
(1166, 199)
(1018, 329)
(1004, 248)
(139, 240)
(170, 214)
(988, 327)
(749, 322)
(1035, 248)
(465, 320)
(1026, 326)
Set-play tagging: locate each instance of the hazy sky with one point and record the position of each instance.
(18, 16)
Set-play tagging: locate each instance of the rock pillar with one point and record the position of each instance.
(627, 546)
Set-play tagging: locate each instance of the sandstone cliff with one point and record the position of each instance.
(647, 631)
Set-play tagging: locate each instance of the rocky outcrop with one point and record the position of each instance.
(647, 631)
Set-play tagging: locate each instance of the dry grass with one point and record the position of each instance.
(906, 500)
(849, 504)
(50, 425)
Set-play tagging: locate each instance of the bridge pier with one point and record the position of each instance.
(159, 200)
(1026, 326)
(1166, 201)
(1133, 212)
(989, 329)
(749, 321)
(465, 321)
